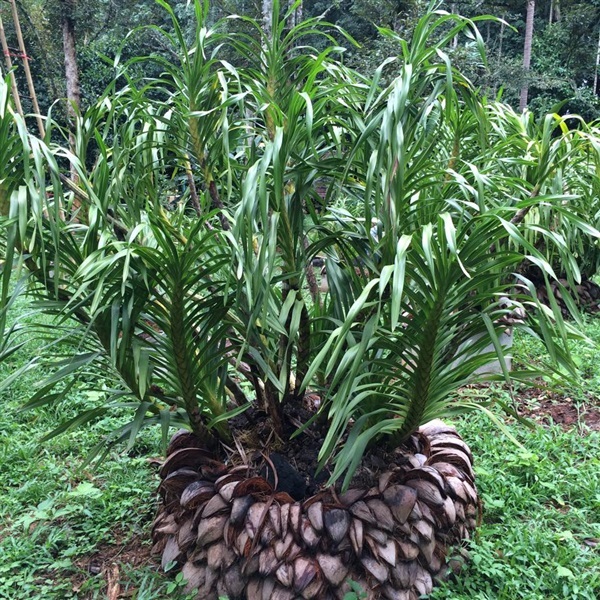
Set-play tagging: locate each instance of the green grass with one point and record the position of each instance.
(56, 517)
(540, 537)
(541, 509)
(541, 518)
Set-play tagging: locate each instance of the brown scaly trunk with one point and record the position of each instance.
(527, 53)
(218, 204)
(250, 532)
(311, 280)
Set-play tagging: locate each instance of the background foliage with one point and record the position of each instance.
(563, 62)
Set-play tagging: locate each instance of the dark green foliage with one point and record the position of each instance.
(563, 63)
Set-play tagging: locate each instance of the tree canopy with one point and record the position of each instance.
(563, 73)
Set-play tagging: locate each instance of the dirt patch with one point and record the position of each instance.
(106, 563)
(291, 465)
(546, 406)
(292, 462)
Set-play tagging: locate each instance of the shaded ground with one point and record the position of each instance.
(545, 406)
(107, 563)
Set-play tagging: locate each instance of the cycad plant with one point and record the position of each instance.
(180, 262)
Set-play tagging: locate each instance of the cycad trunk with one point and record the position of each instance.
(236, 532)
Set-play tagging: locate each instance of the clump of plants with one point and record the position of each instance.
(179, 260)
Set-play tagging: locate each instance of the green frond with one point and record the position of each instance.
(179, 260)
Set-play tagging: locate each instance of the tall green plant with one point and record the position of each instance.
(14, 163)
(184, 272)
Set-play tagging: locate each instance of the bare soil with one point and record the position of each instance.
(107, 564)
(545, 406)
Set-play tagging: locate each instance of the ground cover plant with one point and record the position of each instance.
(176, 261)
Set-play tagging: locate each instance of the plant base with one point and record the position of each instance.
(235, 534)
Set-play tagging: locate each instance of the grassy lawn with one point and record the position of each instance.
(63, 527)
(68, 532)
(540, 537)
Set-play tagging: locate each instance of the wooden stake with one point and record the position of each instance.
(36, 108)
(9, 66)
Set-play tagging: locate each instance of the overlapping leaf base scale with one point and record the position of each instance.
(234, 535)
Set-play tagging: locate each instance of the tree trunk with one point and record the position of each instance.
(260, 533)
(267, 17)
(71, 77)
(296, 15)
(71, 69)
(9, 67)
(554, 15)
(25, 58)
(501, 39)
(597, 66)
(527, 53)
(500, 44)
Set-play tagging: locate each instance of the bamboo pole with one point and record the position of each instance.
(9, 66)
(25, 58)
